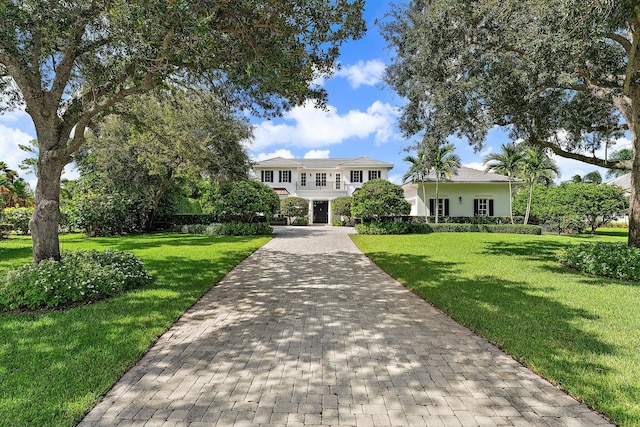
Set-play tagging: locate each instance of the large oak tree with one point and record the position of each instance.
(69, 62)
(562, 74)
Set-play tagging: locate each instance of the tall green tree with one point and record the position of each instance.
(537, 168)
(158, 138)
(444, 165)
(593, 177)
(507, 162)
(70, 62)
(418, 171)
(561, 74)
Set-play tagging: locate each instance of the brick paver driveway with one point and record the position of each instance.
(307, 331)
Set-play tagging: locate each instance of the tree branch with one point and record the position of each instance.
(621, 164)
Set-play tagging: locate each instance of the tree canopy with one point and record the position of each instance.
(379, 198)
(69, 62)
(561, 74)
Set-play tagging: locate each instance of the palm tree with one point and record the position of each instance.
(593, 178)
(623, 154)
(537, 168)
(444, 165)
(418, 172)
(508, 162)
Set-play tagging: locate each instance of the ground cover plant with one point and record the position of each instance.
(55, 365)
(580, 332)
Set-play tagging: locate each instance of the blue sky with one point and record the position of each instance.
(360, 119)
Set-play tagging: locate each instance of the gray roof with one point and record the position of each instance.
(469, 175)
(359, 162)
(623, 182)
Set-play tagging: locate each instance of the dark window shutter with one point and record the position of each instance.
(262, 176)
(432, 205)
(475, 207)
(279, 176)
(490, 207)
(446, 207)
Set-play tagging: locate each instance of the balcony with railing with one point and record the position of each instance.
(313, 185)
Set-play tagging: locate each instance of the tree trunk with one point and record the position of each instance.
(634, 203)
(437, 204)
(510, 201)
(526, 215)
(164, 185)
(424, 200)
(46, 214)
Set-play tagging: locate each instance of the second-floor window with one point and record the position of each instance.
(321, 179)
(303, 179)
(285, 176)
(375, 175)
(356, 176)
(267, 176)
(338, 181)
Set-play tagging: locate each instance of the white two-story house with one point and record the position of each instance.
(319, 180)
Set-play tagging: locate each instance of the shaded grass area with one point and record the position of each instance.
(580, 332)
(55, 365)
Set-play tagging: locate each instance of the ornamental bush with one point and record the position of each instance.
(79, 276)
(244, 201)
(383, 227)
(19, 219)
(604, 259)
(230, 229)
(379, 198)
(396, 227)
(294, 208)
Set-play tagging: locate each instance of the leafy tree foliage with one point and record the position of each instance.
(244, 201)
(418, 171)
(70, 62)
(156, 140)
(294, 207)
(560, 74)
(341, 206)
(444, 165)
(575, 206)
(379, 198)
(619, 156)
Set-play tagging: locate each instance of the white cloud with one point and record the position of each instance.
(474, 165)
(367, 73)
(9, 140)
(309, 127)
(278, 153)
(396, 179)
(317, 154)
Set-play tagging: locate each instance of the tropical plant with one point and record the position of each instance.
(592, 178)
(444, 165)
(624, 154)
(537, 168)
(245, 201)
(418, 172)
(508, 162)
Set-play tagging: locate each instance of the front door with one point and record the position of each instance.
(321, 212)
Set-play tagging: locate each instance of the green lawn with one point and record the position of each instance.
(55, 366)
(580, 332)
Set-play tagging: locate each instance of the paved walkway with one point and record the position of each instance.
(307, 331)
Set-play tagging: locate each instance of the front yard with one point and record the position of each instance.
(55, 365)
(580, 332)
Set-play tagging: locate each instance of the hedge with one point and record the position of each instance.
(395, 227)
(5, 230)
(229, 229)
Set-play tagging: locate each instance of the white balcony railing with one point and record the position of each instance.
(321, 185)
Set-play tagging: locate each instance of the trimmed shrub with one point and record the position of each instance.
(396, 227)
(229, 229)
(19, 218)
(294, 207)
(244, 201)
(383, 227)
(278, 220)
(5, 230)
(300, 221)
(79, 276)
(379, 198)
(604, 259)
(617, 224)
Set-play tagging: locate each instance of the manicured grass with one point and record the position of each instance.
(580, 332)
(55, 366)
